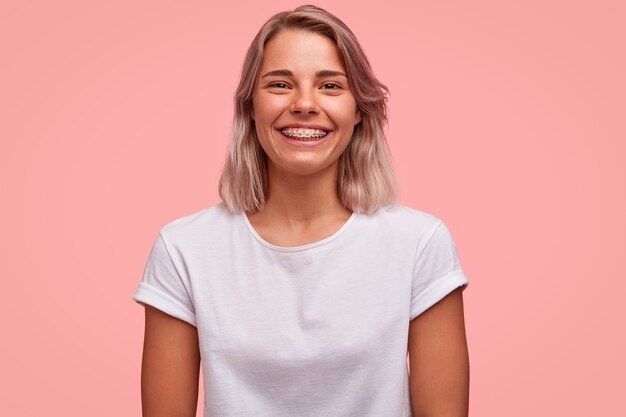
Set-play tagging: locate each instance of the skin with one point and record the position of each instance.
(439, 360)
(170, 368)
(303, 207)
(302, 204)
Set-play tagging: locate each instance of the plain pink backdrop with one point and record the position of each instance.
(507, 120)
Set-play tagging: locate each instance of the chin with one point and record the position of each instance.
(303, 168)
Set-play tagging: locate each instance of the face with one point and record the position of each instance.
(302, 105)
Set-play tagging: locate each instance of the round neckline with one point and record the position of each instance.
(301, 247)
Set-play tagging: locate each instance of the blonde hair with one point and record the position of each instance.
(365, 178)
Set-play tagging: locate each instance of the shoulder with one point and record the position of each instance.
(398, 226)
(199, 225)
(405, 220)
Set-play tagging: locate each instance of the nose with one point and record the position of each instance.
(304, 102)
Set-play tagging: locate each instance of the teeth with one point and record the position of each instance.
(304, 133)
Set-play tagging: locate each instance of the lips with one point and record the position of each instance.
(304, 140)
(303, 126)
(304, 132)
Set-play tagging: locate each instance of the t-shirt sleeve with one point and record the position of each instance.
(163, 286)
(437, 270)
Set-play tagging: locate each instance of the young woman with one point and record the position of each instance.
(301, 293)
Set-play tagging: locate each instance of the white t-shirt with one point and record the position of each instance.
(319, 330)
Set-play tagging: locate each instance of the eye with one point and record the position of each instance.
(278, 85)
(331, 86)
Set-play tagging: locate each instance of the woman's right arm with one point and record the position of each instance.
(170, 366)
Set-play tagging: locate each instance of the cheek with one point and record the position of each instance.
(266, 109)
(343, 112)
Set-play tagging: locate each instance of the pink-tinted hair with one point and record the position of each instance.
(365, 177)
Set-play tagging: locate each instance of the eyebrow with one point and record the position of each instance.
(318, 74)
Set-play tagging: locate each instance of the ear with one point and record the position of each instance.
(357, 117)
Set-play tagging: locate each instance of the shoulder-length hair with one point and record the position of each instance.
(365, 177)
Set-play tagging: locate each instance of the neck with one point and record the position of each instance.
(297, 199)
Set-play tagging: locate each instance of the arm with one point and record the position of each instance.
(170, 366)
(439, 360)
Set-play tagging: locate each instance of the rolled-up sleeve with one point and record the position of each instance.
(163, 286)
(437, 270)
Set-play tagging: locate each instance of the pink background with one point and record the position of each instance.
(507, 120)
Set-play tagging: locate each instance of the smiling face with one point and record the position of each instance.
(302, 105)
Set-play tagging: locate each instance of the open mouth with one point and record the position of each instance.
(304, 134)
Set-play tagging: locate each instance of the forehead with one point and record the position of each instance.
(301, 51)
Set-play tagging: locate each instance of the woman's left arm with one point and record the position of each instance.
(439, 360)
